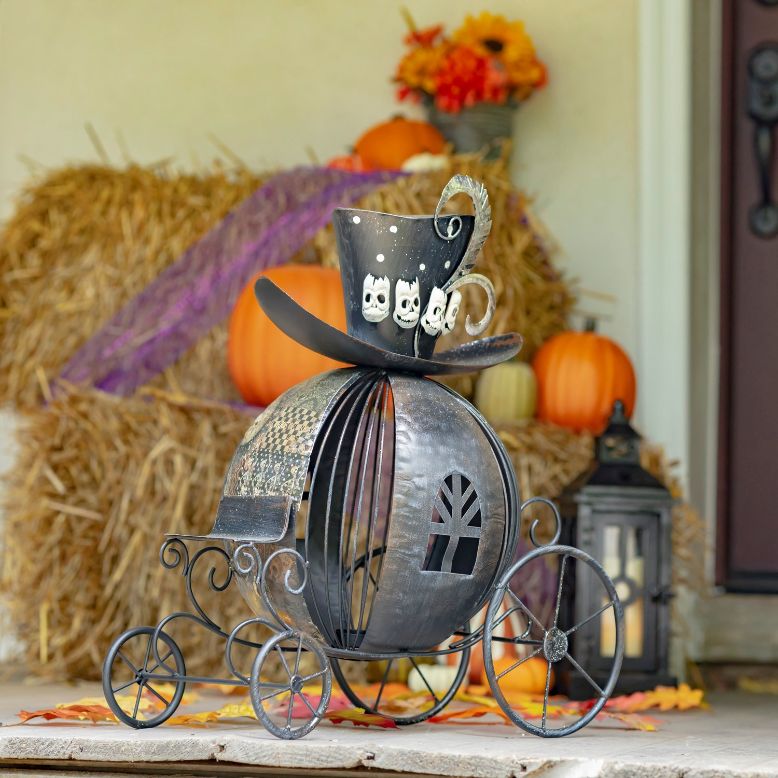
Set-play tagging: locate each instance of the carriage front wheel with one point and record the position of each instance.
(289, 695)
(140, 685)
(551, 633)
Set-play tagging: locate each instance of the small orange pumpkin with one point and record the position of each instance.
(387, 145)
(580, 375)
(262, 360)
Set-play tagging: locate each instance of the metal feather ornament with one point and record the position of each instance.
(476, 191)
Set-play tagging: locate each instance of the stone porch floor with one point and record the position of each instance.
(738, 737)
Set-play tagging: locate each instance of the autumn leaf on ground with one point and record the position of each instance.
(72, 712)
(663, 698)
(633, 720)
(758, 686)
(359, 718)
(233, 710)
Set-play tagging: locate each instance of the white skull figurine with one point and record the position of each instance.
(406, 303)
(432, 319)
(375, 298)
(450, 319)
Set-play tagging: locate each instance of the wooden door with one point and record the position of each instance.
(747, 547)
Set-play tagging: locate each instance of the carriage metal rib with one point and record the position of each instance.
(375, 508)
(365, 439)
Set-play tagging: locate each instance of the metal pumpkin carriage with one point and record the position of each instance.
(371, 513)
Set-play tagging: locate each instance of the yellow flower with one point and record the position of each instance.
(418, 67)
(492, 35)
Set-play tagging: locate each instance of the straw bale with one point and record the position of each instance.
(97, 483)
(82, 242)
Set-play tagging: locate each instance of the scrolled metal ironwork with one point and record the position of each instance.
(536, 523)
(302, 580)
(172, 553)
(247, 561)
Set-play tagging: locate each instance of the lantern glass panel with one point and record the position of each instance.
(624, 561)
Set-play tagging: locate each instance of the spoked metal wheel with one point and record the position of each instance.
(292, 707)
(377, 703)
(135, 699)
(550, 638)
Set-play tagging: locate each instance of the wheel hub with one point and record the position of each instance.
(555, 645)
(297, 684)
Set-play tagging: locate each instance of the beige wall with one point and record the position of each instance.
(274, 79)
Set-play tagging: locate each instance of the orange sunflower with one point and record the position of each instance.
(492, 35)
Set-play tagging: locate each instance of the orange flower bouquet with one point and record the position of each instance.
(472, 80)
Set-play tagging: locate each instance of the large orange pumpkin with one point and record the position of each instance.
(580, 375)
(263, 361)
(387, 145)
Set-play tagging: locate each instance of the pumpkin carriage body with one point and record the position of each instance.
(397, 495)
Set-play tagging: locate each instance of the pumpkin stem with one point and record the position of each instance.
(590, 324)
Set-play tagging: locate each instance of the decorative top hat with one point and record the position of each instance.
(401, 277)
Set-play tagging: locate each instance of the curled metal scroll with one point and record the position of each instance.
(247, 561)
(173, 553)
(491, 303)
(476, 191)
(533, 527)
(302, 580)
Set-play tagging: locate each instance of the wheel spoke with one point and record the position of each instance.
(126, 661)
(520, 662)
(148, 653)
(383, 684)
(297, 658)
(124, 686)
(526, 609)
(274, 694)
(594, 615)
(157, 694)
(423, 678)
(562, 566)
(545, 696)
(137, 699)
(289, 711)
(310, 677)
(586, 675)
(283, 661)
(161, 663)
(307, 704)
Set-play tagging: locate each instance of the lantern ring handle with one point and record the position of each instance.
(533, 527)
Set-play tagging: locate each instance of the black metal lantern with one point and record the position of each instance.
(621, 514)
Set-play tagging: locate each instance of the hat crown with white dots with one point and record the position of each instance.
(400, 273)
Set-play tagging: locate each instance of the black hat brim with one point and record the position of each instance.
(317, 335)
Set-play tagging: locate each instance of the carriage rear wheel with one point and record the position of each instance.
(301, 696)
(549, 638)
(377, 702)
(135, 699)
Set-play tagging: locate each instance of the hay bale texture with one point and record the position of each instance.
(100, 479)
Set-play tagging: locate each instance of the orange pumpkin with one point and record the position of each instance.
(387, 145)
(263, 361)
(580, 375)
(528, 678)
(351, 162)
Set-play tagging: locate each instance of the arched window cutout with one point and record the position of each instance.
(455, 527)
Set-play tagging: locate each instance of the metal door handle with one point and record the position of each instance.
(763, 110)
